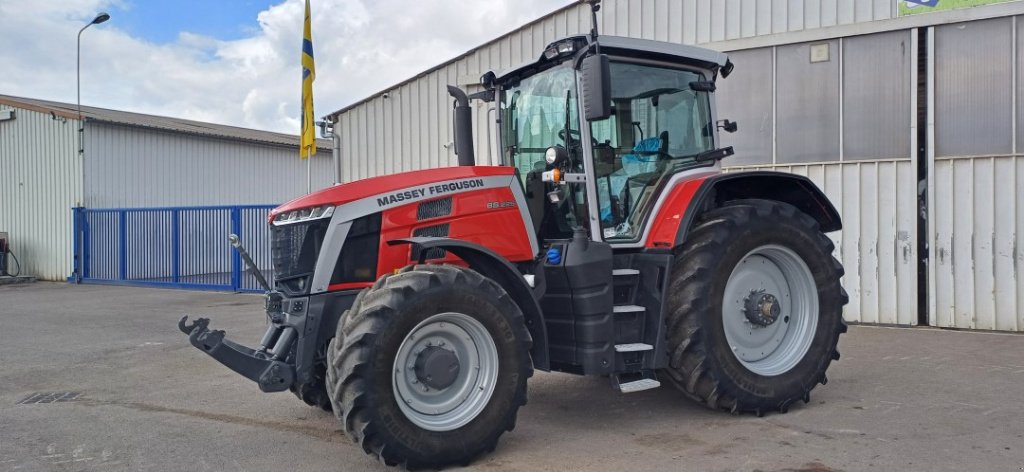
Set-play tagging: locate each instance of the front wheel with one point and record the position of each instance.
(429, 366)
(314, 393)
(755, 308)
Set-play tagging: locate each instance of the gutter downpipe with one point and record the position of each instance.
(336, 152)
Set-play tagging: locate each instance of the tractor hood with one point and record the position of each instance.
(395, 188)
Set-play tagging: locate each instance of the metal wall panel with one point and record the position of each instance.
(876, 96)
(1019, 102)
(746, 98)
(40, 180)
(807, 105)
(977, 210)
(979, 236)
(131, 167)
(877, 202)
(973, 90)
(424, 104)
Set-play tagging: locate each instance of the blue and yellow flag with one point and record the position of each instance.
(307, 146)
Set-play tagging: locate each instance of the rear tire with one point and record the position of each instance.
(452, 423)
(747, 331)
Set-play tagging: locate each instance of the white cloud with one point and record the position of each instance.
(361, 46)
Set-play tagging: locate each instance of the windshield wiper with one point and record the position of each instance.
(713, 154)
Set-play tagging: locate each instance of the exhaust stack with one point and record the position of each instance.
(463, 127)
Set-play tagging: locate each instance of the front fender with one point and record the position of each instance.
(493, 266)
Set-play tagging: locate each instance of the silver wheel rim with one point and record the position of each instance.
(457, 404)
(776, 348)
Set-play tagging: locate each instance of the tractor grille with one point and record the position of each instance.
(436, 231)
(294, 249)
(434, 209)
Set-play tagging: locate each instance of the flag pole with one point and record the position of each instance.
(307, 140)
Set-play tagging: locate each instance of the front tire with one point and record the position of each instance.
(429, 366)
(314, 393)
(755, 308)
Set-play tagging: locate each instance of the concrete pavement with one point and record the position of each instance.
(899, 399)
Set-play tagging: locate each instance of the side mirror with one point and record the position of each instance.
(595, 87)
(727, 126)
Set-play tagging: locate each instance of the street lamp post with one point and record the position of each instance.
(78, 64)
(81, 127)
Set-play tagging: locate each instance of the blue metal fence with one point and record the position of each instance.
(178, 247)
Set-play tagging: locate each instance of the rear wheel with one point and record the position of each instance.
(755, 308)
(429, 366)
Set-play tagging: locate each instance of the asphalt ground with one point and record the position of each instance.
(899, 399)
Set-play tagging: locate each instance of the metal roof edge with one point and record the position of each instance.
(157, 122)
(322, 144)
(17, 102)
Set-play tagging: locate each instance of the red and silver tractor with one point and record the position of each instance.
(417, 305)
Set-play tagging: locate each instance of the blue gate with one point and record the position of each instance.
(177, 247)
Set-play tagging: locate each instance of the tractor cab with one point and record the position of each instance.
(599, 160)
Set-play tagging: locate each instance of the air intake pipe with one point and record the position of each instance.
(463, 127)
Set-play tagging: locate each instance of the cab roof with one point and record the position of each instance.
(634, 48)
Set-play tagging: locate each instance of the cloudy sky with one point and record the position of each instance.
(237, 61)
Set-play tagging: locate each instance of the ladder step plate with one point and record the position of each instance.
(633, 347)
(625, 272)
(639, 385)
(627, 308)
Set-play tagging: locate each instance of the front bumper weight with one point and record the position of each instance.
(270, 374)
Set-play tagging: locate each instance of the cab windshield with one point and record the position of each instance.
(538, 112)
(658, 126)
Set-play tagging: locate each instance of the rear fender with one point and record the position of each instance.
(498, 269)
(796, 190)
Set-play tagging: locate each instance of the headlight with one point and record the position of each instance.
(560, 48)
(304, 214)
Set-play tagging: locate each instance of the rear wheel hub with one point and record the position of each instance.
(437, 367)
(762, 309)
(770, 310)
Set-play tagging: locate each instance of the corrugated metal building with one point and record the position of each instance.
(910, 120)
(129, 160)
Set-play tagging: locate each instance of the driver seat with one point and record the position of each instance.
(644, 152)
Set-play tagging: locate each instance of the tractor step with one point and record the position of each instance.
(639, 385)
(636, 381)
(625, 284)
(633, 347)
(627, 309)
